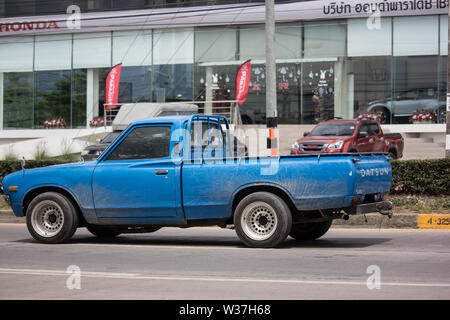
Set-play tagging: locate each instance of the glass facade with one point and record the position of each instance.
(325, 69)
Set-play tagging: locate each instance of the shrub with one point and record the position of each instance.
(427, 177)
(430, 177)
(9, 166)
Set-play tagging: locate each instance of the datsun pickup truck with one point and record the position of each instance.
(349, 136)
(181, 171)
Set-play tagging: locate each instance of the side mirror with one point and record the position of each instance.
(363, 134)
(305, 133)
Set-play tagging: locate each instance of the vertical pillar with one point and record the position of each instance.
(271, 79)
(350, 96)
(447, 139)
(92, 95)
(343, 90)
(209, 90)
(1, 101)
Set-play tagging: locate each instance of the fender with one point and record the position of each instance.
(262, 185)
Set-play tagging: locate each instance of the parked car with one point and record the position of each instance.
(408, 102)
(93, 151)
(342, 136)
(158, 173)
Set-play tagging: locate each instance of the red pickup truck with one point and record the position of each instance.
(349, 136)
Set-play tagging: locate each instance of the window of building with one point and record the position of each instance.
(52, 96)
(18, 91)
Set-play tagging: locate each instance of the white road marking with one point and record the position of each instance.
(133, 276)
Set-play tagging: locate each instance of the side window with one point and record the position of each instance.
(143, 143)
(362, 128)
(373, 129)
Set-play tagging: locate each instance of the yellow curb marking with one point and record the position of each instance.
(433, 221)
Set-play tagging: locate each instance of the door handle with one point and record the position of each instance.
(161, 172)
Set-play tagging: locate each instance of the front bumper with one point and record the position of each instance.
(382, 207)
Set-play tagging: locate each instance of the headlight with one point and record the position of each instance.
(84, 152)
(296, 146)
(336, 145)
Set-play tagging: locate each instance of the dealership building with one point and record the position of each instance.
(333, 59)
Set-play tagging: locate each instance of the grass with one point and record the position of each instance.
(10, 154)
(420, 204)
(40, 152)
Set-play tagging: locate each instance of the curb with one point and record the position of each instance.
(377, 221)
(374, 221)
(7, 216)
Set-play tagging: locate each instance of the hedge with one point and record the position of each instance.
(8, 166)
(427, 177)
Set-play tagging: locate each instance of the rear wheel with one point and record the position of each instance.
(263, 220)
(310, 231)
(393, 154)
(51, 218)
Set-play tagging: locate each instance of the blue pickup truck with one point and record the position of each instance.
(182, 171)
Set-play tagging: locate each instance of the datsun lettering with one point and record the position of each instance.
(182, 171)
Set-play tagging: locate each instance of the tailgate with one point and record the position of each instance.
(373, 174)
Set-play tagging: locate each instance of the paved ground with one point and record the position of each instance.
(209, 263)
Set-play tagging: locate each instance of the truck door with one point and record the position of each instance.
(138, 179)
(363, 142)
(377, 136)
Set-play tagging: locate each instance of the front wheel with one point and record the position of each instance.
(310, 231)
(51, 218)
(262, 220)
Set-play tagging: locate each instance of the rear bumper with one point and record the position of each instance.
(382, 207)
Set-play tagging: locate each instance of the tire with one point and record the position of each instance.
(386, 114)
(51, 218)
(442, 115)
(393, 154)
(310, 231)
(101, 231)
(262, 220)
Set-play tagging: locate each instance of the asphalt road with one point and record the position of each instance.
(210, 263)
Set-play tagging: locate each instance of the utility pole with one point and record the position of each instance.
(271, 90)
(447, 138)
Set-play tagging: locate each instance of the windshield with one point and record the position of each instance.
(334, 129)
(111, 137)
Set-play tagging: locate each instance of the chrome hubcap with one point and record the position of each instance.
(47, 218)
(259, 221)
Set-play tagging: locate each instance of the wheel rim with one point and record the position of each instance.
(47, 218)
(259, 221)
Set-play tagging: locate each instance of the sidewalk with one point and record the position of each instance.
(371, 220)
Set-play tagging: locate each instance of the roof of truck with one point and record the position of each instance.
(164, 119)
(171, 119)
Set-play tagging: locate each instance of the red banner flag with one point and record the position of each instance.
(112, 87)
(242, 81)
